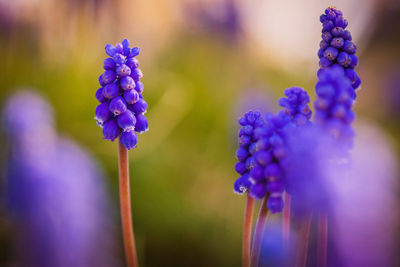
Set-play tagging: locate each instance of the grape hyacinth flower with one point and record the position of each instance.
(121, 115)
(249, 122)
(268, 175)
(54, 228)
(261, 148)
(288, 153)
(121, 96)
(336, 46)
(270, 150)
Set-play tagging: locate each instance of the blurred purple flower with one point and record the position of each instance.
(392, 92)
(273, 251)
(310, 152)
(366, 202)
(54, 195)
(220, 16)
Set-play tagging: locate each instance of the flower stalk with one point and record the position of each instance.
(322, 246)
(302, 252)
(247, 227)
(259, 232)
(125, 202)
(286, 221)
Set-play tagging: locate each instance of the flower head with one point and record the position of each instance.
(262, 154)
(336, 46)
(122, 107)
(250, 121)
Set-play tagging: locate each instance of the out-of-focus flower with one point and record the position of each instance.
(54, 195)
(220, 16)
(266, 154)
(335, 98)
(273, 251)
(336, 46)
(310, 151)
(121, 100)
(392, 92)
(366, 201)
(295, 104)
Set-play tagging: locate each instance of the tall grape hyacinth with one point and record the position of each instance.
(336, 46)
(270, 150)
(121, 114)
(287, 155)
(122, 107)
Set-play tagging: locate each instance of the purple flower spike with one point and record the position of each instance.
(122, 104)
(263, 151)
(246, 150)
(336, 46)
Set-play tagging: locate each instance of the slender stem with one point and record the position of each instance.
(125, 201)
(286, 221)
(247, 225)
(322, 239)
(259, 232)
(304, 235)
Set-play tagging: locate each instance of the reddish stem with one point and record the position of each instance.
(322, 246)
(259, 232)
(247, 225)
(304, 235)
(125, 202)
(286, 221)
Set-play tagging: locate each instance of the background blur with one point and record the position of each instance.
(205, 62)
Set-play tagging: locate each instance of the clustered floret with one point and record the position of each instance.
(336, 46)
(265, 159)
(122, 107)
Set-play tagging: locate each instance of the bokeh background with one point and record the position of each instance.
(205, 62)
